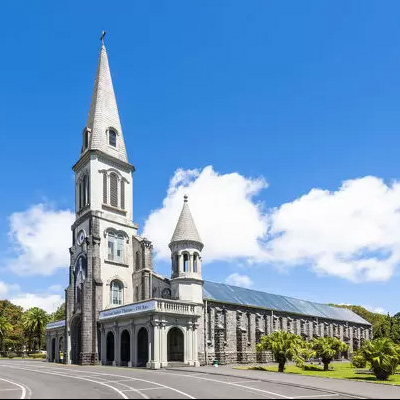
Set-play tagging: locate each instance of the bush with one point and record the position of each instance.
(12, 354)
(358, 360)
(37, 356)
(383, 355)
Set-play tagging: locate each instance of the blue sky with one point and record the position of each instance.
(302, 95)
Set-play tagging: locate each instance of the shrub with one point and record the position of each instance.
(37, 356)
(326, 348)
(285, 346)
(383, 355)
(358, 360)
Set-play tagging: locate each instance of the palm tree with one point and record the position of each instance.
(383, 355)
(5, 328)
(326, 348)
(34, 321)
(285, 346)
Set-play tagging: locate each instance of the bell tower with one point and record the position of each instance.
(103, 234)
(186, 247)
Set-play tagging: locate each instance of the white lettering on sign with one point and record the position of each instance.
(57, 324)
(128, 310)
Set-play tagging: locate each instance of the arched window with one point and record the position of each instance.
(85, 191)
(195, 261)
(122, 194)
(185, 262)
(115, 247)
(111, 246)
(176, 264)
(105, 188)
(116, 293)
(85, 139)
(137, 261)
(112, 138)
(114, 190)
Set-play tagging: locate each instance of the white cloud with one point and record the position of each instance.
(228, 219)
(48, 302)
(56, 288)
(40, 238)
(378, 310)
(352, 233)
(239, 280)
(45, 300)
(6, 289)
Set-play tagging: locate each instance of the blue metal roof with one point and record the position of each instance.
(247, 297)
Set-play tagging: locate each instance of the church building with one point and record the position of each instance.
(120, 311)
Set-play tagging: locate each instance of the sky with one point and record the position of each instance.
(279, 119)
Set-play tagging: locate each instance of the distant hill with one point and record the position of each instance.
(371, 317)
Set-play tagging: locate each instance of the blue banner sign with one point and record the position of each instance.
(128, 310)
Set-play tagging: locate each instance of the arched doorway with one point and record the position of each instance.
(110, 347)
(76, 339)
(61, 349)
(142, 347)
(53, 349)
(175, 345)
(125, 348)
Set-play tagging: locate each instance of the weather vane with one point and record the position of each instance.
(103, 33)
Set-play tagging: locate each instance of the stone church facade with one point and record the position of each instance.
(119, 311)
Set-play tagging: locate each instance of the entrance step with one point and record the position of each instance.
(176, 364)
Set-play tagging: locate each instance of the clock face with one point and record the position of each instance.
(81, 237)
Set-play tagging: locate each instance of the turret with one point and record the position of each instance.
(186, 247)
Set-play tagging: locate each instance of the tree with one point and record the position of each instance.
(34, 321)
(285, 346)
(14, 338)
(5, 327)
(59, 314)
(326, 348)
(383, 355)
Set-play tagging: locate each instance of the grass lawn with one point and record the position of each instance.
(341, 370)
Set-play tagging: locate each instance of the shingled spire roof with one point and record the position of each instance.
(185, 228)
(103, 113)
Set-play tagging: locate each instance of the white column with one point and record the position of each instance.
(155, 363)
(117, 347)
(189, 335)
(164, 346)
(103, 346)
(180, 262)
(195, 346)
(191, 263)
(57, 350)
(133, 345)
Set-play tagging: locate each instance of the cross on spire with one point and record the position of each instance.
(103, 33)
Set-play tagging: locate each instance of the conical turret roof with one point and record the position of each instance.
(103, 113)
(185, 228)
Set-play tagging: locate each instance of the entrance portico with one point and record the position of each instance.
(150, 334)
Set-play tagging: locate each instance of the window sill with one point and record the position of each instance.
(117, 210)
(116, 263)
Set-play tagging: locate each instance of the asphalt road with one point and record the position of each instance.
(31, 379)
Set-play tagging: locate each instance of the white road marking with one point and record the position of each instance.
(229, 383)
(7, 390)
(153, 388)
(21, 387)
(69, 376)
(316, 395)
(130, 378)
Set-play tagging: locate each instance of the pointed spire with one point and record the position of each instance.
(186, 228)
(103, 113)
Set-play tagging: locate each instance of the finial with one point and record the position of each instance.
(103, 33)
(185, 198)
